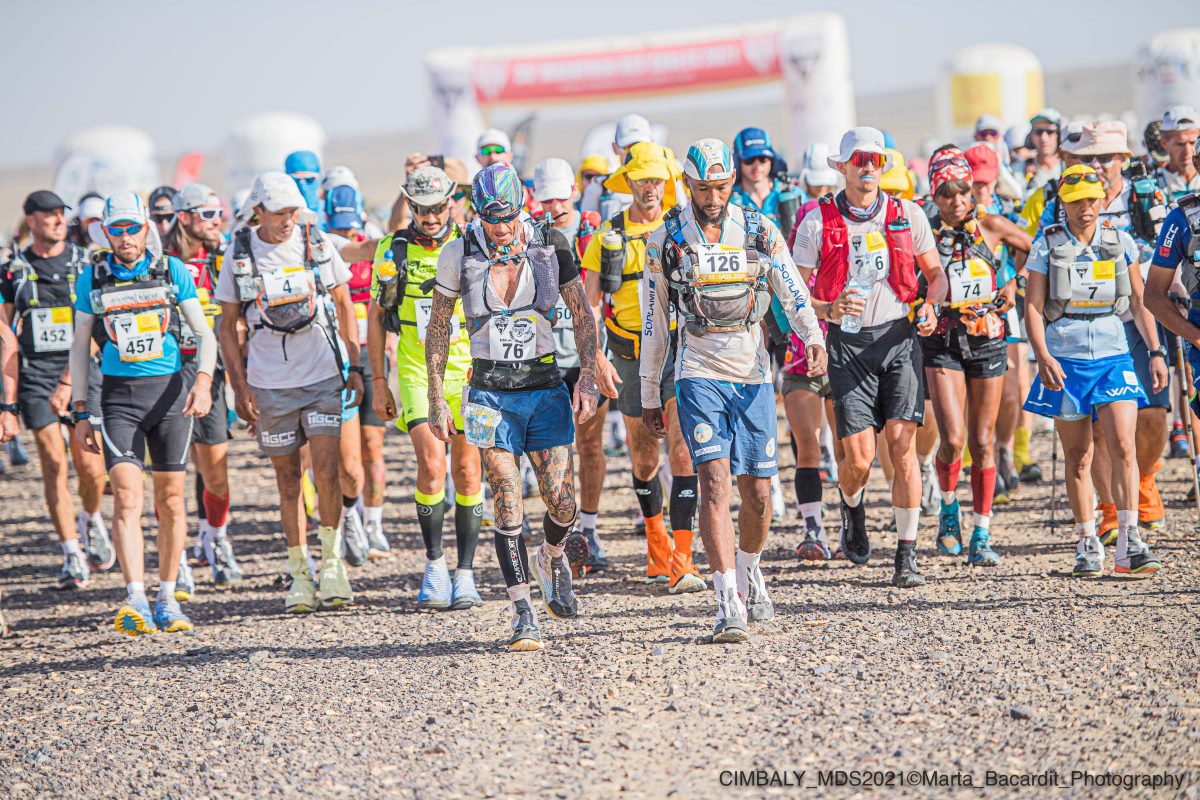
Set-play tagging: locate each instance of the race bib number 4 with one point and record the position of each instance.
(1093, 284)
(53, 329)
(288, 285)
(720, 263)
(513, 337)
(970, 283)
(139, 336)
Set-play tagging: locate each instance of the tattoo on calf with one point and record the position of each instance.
(556, 480)
(504, 476)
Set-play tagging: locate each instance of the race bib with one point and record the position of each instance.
(288, 285)
(562, 315)
(423, 311)
(719, 263)
(872, 250)
(513, 336)
(360, 314)
(970, 283)
(139, 336)
(53, 329)
(187, 337)
(1093, 284)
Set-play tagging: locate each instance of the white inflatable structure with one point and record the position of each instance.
(1001, 79)
(809, 54)
(262, 142)
(1168, 73)
(105, 159)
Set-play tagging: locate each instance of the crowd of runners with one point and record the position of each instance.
(919, 312)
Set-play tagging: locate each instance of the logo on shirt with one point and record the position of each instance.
(702, 433)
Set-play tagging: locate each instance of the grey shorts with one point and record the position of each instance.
(288, 417)
(629, 391)
(793, 382)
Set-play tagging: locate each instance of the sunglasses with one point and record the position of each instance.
(864, 160)
(117, 231)
(492, 150)
(1074, 178)
(499, 220)
(304, 179)
(422, 211)
(458, 196)
(988, 133)
(1103, 161)
(162, 216)
(1045, 131)
(758, 160)
(207, 214)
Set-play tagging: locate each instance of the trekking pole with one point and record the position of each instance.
(1184, 374)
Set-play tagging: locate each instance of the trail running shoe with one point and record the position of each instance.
(169, 617)
(74, 573)
(597, 560)
(354, 538)
(1108, 526)
(853, 540)
(981, 553)
(731, 626)
(907, 575)
(335, 584)
(1179, 442)
(225, 569)
(949, 536)
(97, 543)
(135, 619)
(185, 582)
(16, 452)
(828, 467)
(814, 547)
(576, 549)
(1000, 493)
(554, 576)
(435, 585)
(526, 636)
(302, 593)
(1137, 562)
(1006, 471)
(1089, 558)
(759, 607)
(464, 594)
(1031, 473)
(377, 543)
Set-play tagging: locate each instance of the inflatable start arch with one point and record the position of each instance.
(809, 54)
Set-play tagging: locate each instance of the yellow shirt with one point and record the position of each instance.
(1031, 213)
(626, 301)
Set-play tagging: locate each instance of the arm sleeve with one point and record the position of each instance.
(655, 334)
(449, 267)
(81, 351)
(791, 291)
(1173, 241)
(206, 340)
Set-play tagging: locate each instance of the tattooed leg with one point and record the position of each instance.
(556, 480)
(504, 476)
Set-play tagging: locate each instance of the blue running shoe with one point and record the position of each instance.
(435, 586)
(949, 538)
(465, 595)
(981, 553)
(169, 617)
(134, 618)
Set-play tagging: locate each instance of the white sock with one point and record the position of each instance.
(166, 590)
(1122, 541)
(815, 510)
(374, 514)
(853, 500)
(466, 573)
(136, 590)
(983, 521)
(907, 522)
(1087, 528)
(70, 547)
(947, 497)
(725, 584)
(218, 533)
(745, 564)
(1126, 518)
(587, 520)
(519, 592)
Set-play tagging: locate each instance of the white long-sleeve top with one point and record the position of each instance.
(738, 356)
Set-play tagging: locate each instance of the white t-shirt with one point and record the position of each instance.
(275, 360)
(882, 303)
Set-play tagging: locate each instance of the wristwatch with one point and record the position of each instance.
(80, 416)
(11, 408)
(1159, 351)
(356, 368)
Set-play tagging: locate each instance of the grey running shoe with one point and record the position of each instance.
(554, 576)
(74, 573)
(1089, 558)
(759, 607)
(464, 594)
(225, 569)
(1137, 562)
(731, 619)
(354, 539)
(97, 543)
(597, 560)
(814, 547)
(907, 576)
(527, 636)
(185, 582)
(377, 543)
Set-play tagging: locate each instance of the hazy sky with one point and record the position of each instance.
(185, 71)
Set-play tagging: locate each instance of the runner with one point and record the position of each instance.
(288, 282)
(875, 363)
(1180, 132)
(303, 167)
(631, 129)
(405, 265)
(162, 210)
(1046, 136)
(713, 265)
(129, 301)
(1085, 373)
(965, 357)
(555, 188)
(757, 187)
(614, 265)
(510, 275)
(37, 288)
(195, 239)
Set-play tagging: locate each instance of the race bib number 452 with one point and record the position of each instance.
(53, 329)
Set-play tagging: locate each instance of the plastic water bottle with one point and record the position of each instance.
(862, 279)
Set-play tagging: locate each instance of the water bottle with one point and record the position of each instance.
(862, 279)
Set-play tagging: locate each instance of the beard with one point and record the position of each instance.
(704, 219)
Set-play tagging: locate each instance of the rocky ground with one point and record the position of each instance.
(1019, 670)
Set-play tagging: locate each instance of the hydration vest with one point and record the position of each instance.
(141, 306)
(394, 279)
(960, 249)
(54, 328)
(716, 306)
(1064, 259)
(300, 297)
(834, 267)
(1190, 206)
(476, 265)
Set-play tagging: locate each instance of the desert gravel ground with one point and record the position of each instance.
(1019, 670)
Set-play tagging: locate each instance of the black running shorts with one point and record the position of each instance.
(983, 358)
(876, 375)
(145, 414)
